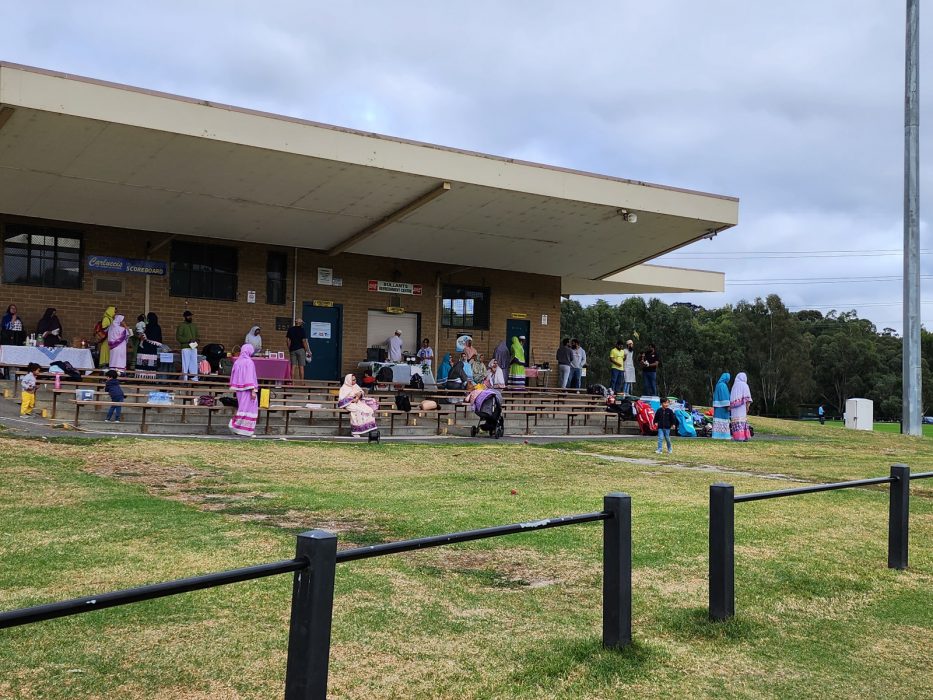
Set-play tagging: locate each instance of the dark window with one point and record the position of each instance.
(41, 256)
(203, 271)
(276, 275)
(465, 307)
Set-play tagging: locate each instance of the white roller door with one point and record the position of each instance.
(381, 325)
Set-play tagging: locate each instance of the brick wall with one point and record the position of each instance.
(228, 321)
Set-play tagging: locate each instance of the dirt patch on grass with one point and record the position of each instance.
(507, 568)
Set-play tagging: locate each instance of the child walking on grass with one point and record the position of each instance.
(664, 419)
(115, 391)
(28, 385)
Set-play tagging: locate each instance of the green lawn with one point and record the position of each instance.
(819, 614)
(885, 427)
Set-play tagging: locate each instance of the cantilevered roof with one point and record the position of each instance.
(81, 150)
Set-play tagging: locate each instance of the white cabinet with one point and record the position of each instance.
(860, 414)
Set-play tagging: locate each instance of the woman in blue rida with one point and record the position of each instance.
(721, 398)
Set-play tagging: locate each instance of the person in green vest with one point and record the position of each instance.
(187, 336)
(187, 331)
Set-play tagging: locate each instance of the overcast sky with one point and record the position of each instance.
(794, 107)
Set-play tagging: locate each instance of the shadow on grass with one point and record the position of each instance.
(695, 623)
(586, 659)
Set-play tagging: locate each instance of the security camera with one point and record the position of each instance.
(628, 216)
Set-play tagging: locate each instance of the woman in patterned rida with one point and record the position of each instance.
(721, 408)
(739, 401)
(245, 385)
(362, 410)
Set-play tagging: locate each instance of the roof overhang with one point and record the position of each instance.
(79, 150)
(648, 279)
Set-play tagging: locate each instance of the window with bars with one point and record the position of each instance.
(41, 256)
(276, 277)
(465, 307)
(203, 271)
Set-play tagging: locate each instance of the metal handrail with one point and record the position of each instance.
(378, 550)
(76, 606)
(762, 495)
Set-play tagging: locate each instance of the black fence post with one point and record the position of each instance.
(898, 516)
(312, 609)
(721, 551)
(617, 571)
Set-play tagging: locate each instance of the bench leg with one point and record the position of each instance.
(77, 411)
(569, 419)
(391, 424)
(268, 413)
(54, 403)
(287, 415)
(210, 416)
(142, 423)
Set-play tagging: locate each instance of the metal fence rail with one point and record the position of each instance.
(722, 500)
(314, 568)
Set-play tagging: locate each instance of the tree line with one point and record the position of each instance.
(794, 360)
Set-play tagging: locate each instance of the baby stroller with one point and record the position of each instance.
(488, 407)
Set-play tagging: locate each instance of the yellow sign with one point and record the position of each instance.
(515, 315)
(395, 309)
(326, 304)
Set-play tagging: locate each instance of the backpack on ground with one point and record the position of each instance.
(228, 401)
(384, 375)
(644, 414)
(206, 400)
(597, 390)
(403, 403)
(416, 383)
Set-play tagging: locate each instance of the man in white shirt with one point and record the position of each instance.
(577, 363)
(394, 347)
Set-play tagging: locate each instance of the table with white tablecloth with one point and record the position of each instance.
(80, 358)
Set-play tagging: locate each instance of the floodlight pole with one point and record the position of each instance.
(911, 356)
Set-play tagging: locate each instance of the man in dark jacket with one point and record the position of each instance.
(664, 419)
(564, 358)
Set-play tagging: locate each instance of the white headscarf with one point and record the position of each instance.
(740, 391)
(254, 340)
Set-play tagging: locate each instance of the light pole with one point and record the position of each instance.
(911, 422)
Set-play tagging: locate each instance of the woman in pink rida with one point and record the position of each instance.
(244, 383)
(739, 400)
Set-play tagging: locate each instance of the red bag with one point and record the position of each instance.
(644, 414)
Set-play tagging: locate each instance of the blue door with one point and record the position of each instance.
(323, 324)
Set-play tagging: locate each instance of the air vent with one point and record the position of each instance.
(108, 285)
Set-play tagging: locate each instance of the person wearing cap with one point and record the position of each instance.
(394, 346)
(186, 332)
(298, 351)
(187, 336)
(629, 381)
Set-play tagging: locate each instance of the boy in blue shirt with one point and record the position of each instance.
(115, 391)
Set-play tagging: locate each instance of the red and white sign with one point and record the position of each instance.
(395, 287)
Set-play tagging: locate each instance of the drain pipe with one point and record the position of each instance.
(295, 289)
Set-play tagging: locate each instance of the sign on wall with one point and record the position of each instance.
(395, 287)
(319, 330)
(251, 296)
(137, 267)
(325, 276)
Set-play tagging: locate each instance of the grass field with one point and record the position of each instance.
(819, 614)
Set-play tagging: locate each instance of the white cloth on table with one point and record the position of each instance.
(80, 358)
(189, 364)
